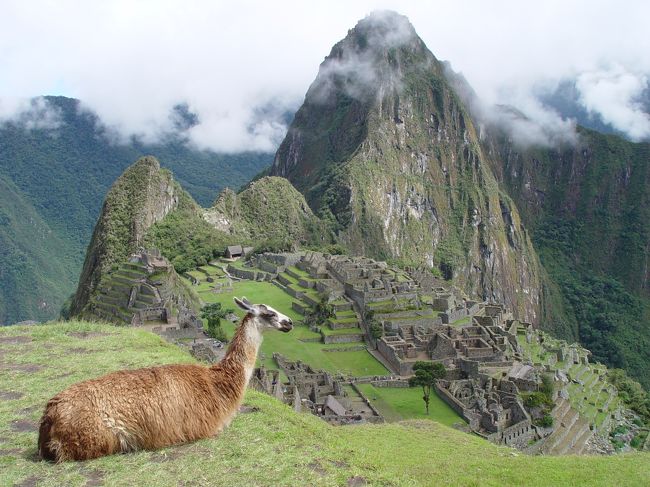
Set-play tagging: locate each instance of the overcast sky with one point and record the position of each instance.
(131, 61)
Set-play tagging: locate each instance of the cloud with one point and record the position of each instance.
(353, 63)
(133, 62)
(614, 94)
(30, 113)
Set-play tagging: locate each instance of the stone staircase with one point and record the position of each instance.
(571, 432)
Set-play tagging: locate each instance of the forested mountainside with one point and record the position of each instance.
(59, 175)
(587, 207)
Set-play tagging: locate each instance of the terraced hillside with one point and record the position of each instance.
(587, 402)
(269, 445)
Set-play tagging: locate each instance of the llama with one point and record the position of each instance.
(151, 408)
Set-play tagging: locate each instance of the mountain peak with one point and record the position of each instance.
(384, 28)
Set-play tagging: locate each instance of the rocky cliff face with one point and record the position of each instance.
(384, 148)
(143, 195)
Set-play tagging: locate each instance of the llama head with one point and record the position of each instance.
(266, 317)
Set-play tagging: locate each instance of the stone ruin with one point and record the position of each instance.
(492, 408)
(315, 391)
(142, 292)
(486, 339)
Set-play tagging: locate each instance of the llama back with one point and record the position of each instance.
(130, 410)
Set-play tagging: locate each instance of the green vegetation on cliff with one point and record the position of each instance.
(185, 238)
(588, 208)
(36, 266)
(268, 446)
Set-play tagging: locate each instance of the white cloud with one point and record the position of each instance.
(30, 113)
(613, 93)
(132, 62)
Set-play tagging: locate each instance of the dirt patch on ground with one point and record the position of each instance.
(10, 451)
(95, 478)
(79, 351)
(29, 482)
(339, 464)
(29, 368)
(244, 409)
(317, 467)
(16, 340)
(23, 426)
(357, 481)
(88, 334)
(177, 452)
(10, 395)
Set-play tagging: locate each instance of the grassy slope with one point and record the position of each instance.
(271, 446)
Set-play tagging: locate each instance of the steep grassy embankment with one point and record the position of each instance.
(270, 445)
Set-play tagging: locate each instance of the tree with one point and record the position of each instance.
(374, 326)
(426, 375)
(321, 314)
(213, 314)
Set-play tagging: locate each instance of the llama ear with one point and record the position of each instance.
(242, 304)
(247, 302)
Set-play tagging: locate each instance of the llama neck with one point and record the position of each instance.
(242, 351)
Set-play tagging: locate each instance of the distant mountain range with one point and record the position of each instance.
(53, 184)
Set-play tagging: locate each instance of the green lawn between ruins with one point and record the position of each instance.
(356, 363)
(271, 446)
(396, 404)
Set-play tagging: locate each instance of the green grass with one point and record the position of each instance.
(358, 363)
(351, 319)
(212, 270)
(341, 331)
(270, 447)
(346, 313)
(397, 403)
(463, 321)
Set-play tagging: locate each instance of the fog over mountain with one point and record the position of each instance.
(238, 68)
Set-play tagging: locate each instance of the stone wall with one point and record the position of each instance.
(242, 273)
(518, 435)
(457, 406)
(342, 338)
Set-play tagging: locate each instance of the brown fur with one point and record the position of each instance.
(148, 408)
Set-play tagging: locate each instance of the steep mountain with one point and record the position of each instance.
(59, 168)
(140, 197)
(268, 214)
(588, 208)
(384, 150)
(269, 208)
(35, 264)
